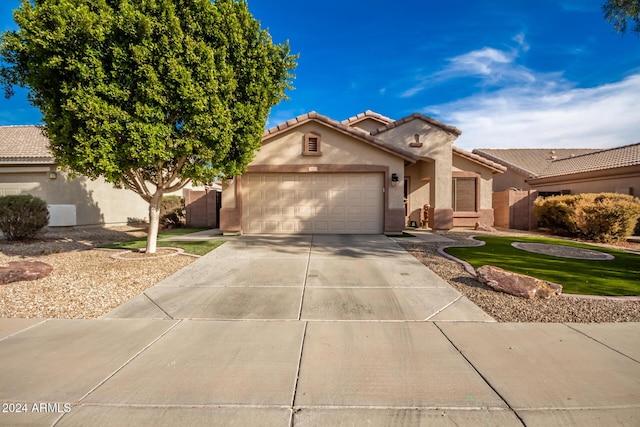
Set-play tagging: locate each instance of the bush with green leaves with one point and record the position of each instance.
(172, 212)
(605, 217)
(22, 216)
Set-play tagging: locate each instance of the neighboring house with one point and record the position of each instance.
(525, 163)
(543, 172)
(365, 175)
(568, 171)
(28, 167)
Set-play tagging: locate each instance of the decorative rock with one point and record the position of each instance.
(17, 271)
(482, 227)
(517, 284)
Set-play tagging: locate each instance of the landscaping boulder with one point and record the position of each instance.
(17, 271)
(517, 284)
(484, 227)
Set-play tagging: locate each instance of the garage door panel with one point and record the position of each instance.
(313, 203)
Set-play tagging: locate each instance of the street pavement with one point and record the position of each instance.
(313, 331)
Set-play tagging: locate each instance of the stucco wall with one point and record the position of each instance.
(337, 149)
(509, 179)
(97, 202)
(622, 180)
(436, 146)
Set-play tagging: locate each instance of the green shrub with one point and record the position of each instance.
(172, 212)
(606, 217)
(23, 216)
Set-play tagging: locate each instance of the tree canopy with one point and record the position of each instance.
(621, 13)
(149, 94)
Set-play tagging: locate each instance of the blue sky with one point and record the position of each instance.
(508, 73)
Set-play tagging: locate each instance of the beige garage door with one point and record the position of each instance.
(349, 203)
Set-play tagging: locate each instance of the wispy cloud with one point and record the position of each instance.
(551, 114)
(490, 65)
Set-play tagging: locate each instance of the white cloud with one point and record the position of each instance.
(491, 66)
(547, 114)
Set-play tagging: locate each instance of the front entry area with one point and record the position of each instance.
(312, 203)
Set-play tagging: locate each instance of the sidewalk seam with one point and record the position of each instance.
(154, 303)
(481, 376)
(122, 367)
(306, 274)
(295, 384)
(600, 342)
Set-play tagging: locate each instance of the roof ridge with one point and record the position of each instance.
(366, 114)
(445, 127)
(359, 133)
(602, 150)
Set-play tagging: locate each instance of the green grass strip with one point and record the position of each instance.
(194, 248)
(617, 277)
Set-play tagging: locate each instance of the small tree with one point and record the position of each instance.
(149, 94)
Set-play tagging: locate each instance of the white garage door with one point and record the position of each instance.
(349, 203)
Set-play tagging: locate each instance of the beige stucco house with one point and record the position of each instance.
(365, 175)
(28, 167)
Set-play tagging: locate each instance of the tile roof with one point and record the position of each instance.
(367, 115)
(530, 161)
(479, 159)
(24, 144)
(353, 131)
(628, 155)
(414, 116)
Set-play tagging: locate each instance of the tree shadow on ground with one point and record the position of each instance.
(68, 239)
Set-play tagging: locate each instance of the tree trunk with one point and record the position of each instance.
(154, 222)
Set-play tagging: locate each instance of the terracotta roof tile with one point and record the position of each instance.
(414, 116)
(530, 161)
(353, 131)
(479, 159)
(24, 144)
(367, 115)
(628, 155)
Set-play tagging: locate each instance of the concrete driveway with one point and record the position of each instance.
(313, 331)
(320, 277)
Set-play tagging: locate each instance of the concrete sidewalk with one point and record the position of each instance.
(313, 331)
(281, 373)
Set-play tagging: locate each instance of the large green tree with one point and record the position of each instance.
(149, 94)
(622, 12)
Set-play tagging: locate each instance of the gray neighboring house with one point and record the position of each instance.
(28, 167)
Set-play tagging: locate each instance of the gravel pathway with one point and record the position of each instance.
(508, 308)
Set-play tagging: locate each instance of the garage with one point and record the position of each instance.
(312, 203)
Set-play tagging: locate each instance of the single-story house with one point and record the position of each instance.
(568, 171)
(544, 172)
(368, 174)
(28, 167)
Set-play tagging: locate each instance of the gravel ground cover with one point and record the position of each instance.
(508, 308)
(85, 283)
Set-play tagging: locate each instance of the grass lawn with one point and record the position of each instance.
(195, 248)
(618, 277)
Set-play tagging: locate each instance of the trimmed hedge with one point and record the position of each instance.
(22, 216)
(172, 212)
(605, 217)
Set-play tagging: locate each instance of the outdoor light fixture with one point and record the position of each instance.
(395, 180)
(230, 181)
(53, 175)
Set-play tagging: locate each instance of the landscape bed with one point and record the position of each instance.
(617, 277)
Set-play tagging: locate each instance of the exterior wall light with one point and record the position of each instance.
(395, 180)
(53, 175)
